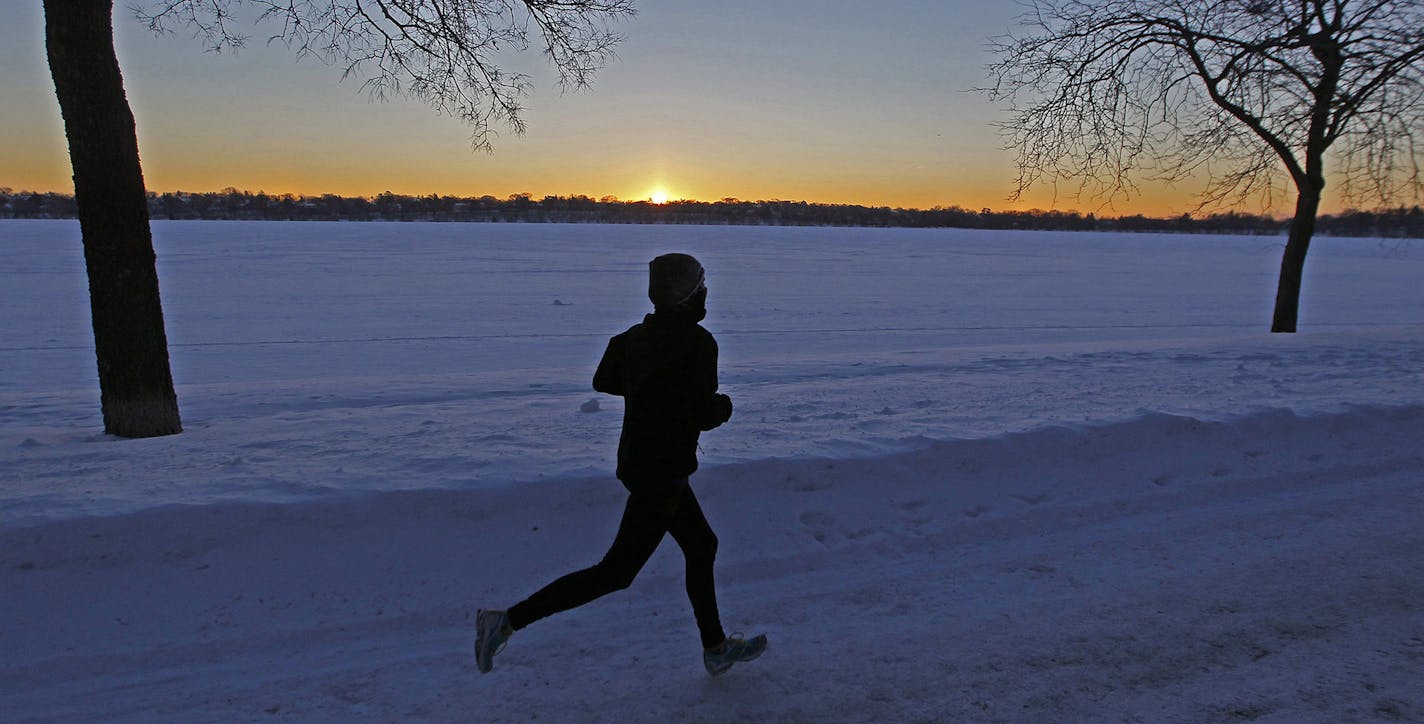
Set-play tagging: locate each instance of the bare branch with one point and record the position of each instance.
(444, 52)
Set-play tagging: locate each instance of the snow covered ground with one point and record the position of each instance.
(971, 476)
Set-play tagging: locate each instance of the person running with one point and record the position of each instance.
(665, 368)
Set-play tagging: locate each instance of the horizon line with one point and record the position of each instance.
(613, 198)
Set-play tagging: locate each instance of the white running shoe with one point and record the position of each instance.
(492, 632)
(719, 658)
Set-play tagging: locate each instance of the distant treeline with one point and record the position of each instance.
(231, 204)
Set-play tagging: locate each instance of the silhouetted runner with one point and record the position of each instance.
(665, 368)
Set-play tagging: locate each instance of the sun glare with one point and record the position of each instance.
(659, 196)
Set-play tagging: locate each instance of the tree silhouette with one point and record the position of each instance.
(1241, 94)
(443, 52)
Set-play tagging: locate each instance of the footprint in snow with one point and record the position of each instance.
(1032, 499)
(820, 523)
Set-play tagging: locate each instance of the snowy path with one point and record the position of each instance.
(1166, 569)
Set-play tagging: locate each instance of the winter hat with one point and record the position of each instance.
(673, 279)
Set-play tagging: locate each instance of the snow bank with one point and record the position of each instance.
(1048, 468)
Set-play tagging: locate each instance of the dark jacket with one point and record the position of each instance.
(666, 370)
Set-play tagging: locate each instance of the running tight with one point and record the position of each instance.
(651, 512)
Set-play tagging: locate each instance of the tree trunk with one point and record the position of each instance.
(1302, 228)
(135, 382)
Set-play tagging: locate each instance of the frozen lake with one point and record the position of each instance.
(442, 298)
(458, 355)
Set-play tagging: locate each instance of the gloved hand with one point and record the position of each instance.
(724, 407)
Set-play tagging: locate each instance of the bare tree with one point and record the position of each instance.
(444, 52)
(1241, 95)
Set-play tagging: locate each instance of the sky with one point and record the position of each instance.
(826, 101)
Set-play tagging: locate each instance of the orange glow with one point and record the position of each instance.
(967, 188)
(444, 166)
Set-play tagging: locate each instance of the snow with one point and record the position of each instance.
(971, 476)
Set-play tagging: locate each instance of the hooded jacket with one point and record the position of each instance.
(665, 368)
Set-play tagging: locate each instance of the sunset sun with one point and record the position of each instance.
(658, 196)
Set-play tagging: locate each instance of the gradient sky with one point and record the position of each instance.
(819, 100)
